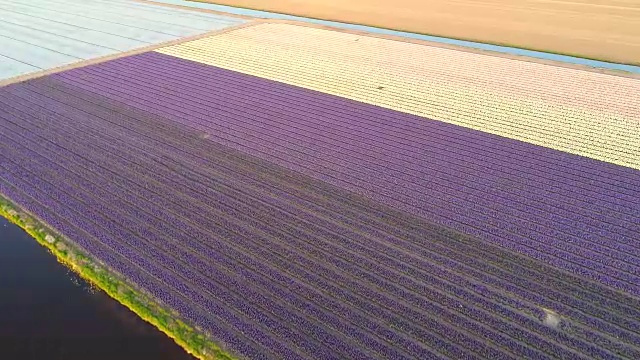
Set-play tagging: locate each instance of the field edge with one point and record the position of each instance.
(190, 339)
(470, 39)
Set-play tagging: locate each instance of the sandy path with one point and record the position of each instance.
(601, 29)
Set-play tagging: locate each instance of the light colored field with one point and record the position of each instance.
(599, 29)
(580, 112)
(37, 35)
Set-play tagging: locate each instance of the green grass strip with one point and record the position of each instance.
(193, 341)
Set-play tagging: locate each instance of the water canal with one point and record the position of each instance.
(47, 312)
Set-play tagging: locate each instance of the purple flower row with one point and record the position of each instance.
(221, 240)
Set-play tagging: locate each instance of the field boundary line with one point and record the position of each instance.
(618, 73)
(185, 7)
(98, 60)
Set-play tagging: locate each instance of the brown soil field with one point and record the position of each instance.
(598, 29)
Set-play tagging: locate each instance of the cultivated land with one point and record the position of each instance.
(585, 113)
(599, 29)
(285, 191)
(93, 270)
(288, 223)
(38, 35)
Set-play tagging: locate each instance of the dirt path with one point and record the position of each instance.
(600, 29)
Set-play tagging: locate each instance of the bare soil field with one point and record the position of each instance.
(598, 29)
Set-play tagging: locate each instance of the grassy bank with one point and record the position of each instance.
(114, 285)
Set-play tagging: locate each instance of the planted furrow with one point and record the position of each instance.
(421, 100)
(462, 338)
(158, 265)
(209, 287)
(315, 334)
(601, 213)
(161, 191)
(283, 222)
(218, 225)
(457, 218)
(607, 150)
(412, 102)
(122, 263)
(565, 213)
(261, 172)
(411, 56)
(328, 106)
(170, 246)
(391, 86)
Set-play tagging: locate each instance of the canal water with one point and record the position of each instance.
(47, 312)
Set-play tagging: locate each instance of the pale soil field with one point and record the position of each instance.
(599, 29)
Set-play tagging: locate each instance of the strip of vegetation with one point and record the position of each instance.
(194, 342)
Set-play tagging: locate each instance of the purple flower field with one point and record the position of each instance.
(288, 223)
(573, 212)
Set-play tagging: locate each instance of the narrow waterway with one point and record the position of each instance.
(47, 312)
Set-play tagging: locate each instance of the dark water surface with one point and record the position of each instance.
(47, 312)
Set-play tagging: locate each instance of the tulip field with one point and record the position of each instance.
(579, 112)
(300, 193)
